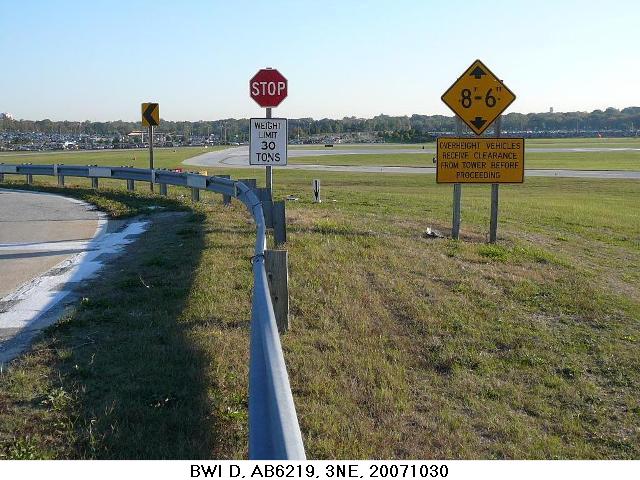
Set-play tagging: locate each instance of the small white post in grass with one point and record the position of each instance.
(316, 191)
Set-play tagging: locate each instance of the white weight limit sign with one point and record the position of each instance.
(268, 141)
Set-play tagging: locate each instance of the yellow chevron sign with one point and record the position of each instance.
(150, 114)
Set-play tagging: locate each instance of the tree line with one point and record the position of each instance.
(399, 128)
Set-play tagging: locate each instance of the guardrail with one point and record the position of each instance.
(274, 433)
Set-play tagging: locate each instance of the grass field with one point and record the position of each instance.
(171, 158)
(401, 346)
(611, 160)
(163, 157)
(630, 142)
(376, 146)
(615, 160)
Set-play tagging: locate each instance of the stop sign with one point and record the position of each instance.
(268, 87)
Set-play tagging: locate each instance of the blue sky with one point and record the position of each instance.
(97, 60)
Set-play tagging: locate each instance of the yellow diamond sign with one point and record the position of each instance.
(478, 97)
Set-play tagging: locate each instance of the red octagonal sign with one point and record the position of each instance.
(268, 87)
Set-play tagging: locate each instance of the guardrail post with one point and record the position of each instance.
(131, 186)
(29, 179)
(1, 177)
(94, 183)
(277, 267)
(279, 223)
(196, 183)
(163, 189)
(226, 199)
(264, 195)
(61, 180)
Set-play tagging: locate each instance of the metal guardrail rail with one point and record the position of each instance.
(274, 433)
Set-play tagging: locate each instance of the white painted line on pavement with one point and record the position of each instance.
(27, 307)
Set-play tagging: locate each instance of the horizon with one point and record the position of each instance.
(312, 118)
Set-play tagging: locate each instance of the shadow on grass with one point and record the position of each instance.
(136, 382)
(125, 378)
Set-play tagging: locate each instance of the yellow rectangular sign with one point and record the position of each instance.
(480, 160)
(150, 114)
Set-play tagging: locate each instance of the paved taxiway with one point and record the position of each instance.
(238, 157)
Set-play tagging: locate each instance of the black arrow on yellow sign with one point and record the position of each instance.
(150, 114)
(477, 72)
(478, 122)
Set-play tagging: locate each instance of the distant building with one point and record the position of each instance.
(135, 134)
(158, 137)
(6, 116)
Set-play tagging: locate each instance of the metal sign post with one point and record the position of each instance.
(268, 181)
(151, 152)
(457, 195)
(493, 225)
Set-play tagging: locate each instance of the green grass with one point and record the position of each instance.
(163, 157)
(577, 142)
(397, 159)
(368, 146)
(611, 160)
(401, 346)
(629, 142)
(614, 160)
(171, 158)
(128, 372)
(117, 203)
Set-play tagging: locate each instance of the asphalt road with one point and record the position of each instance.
(37, 232)
(49, 245)
(239, 158)
(372, 150)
